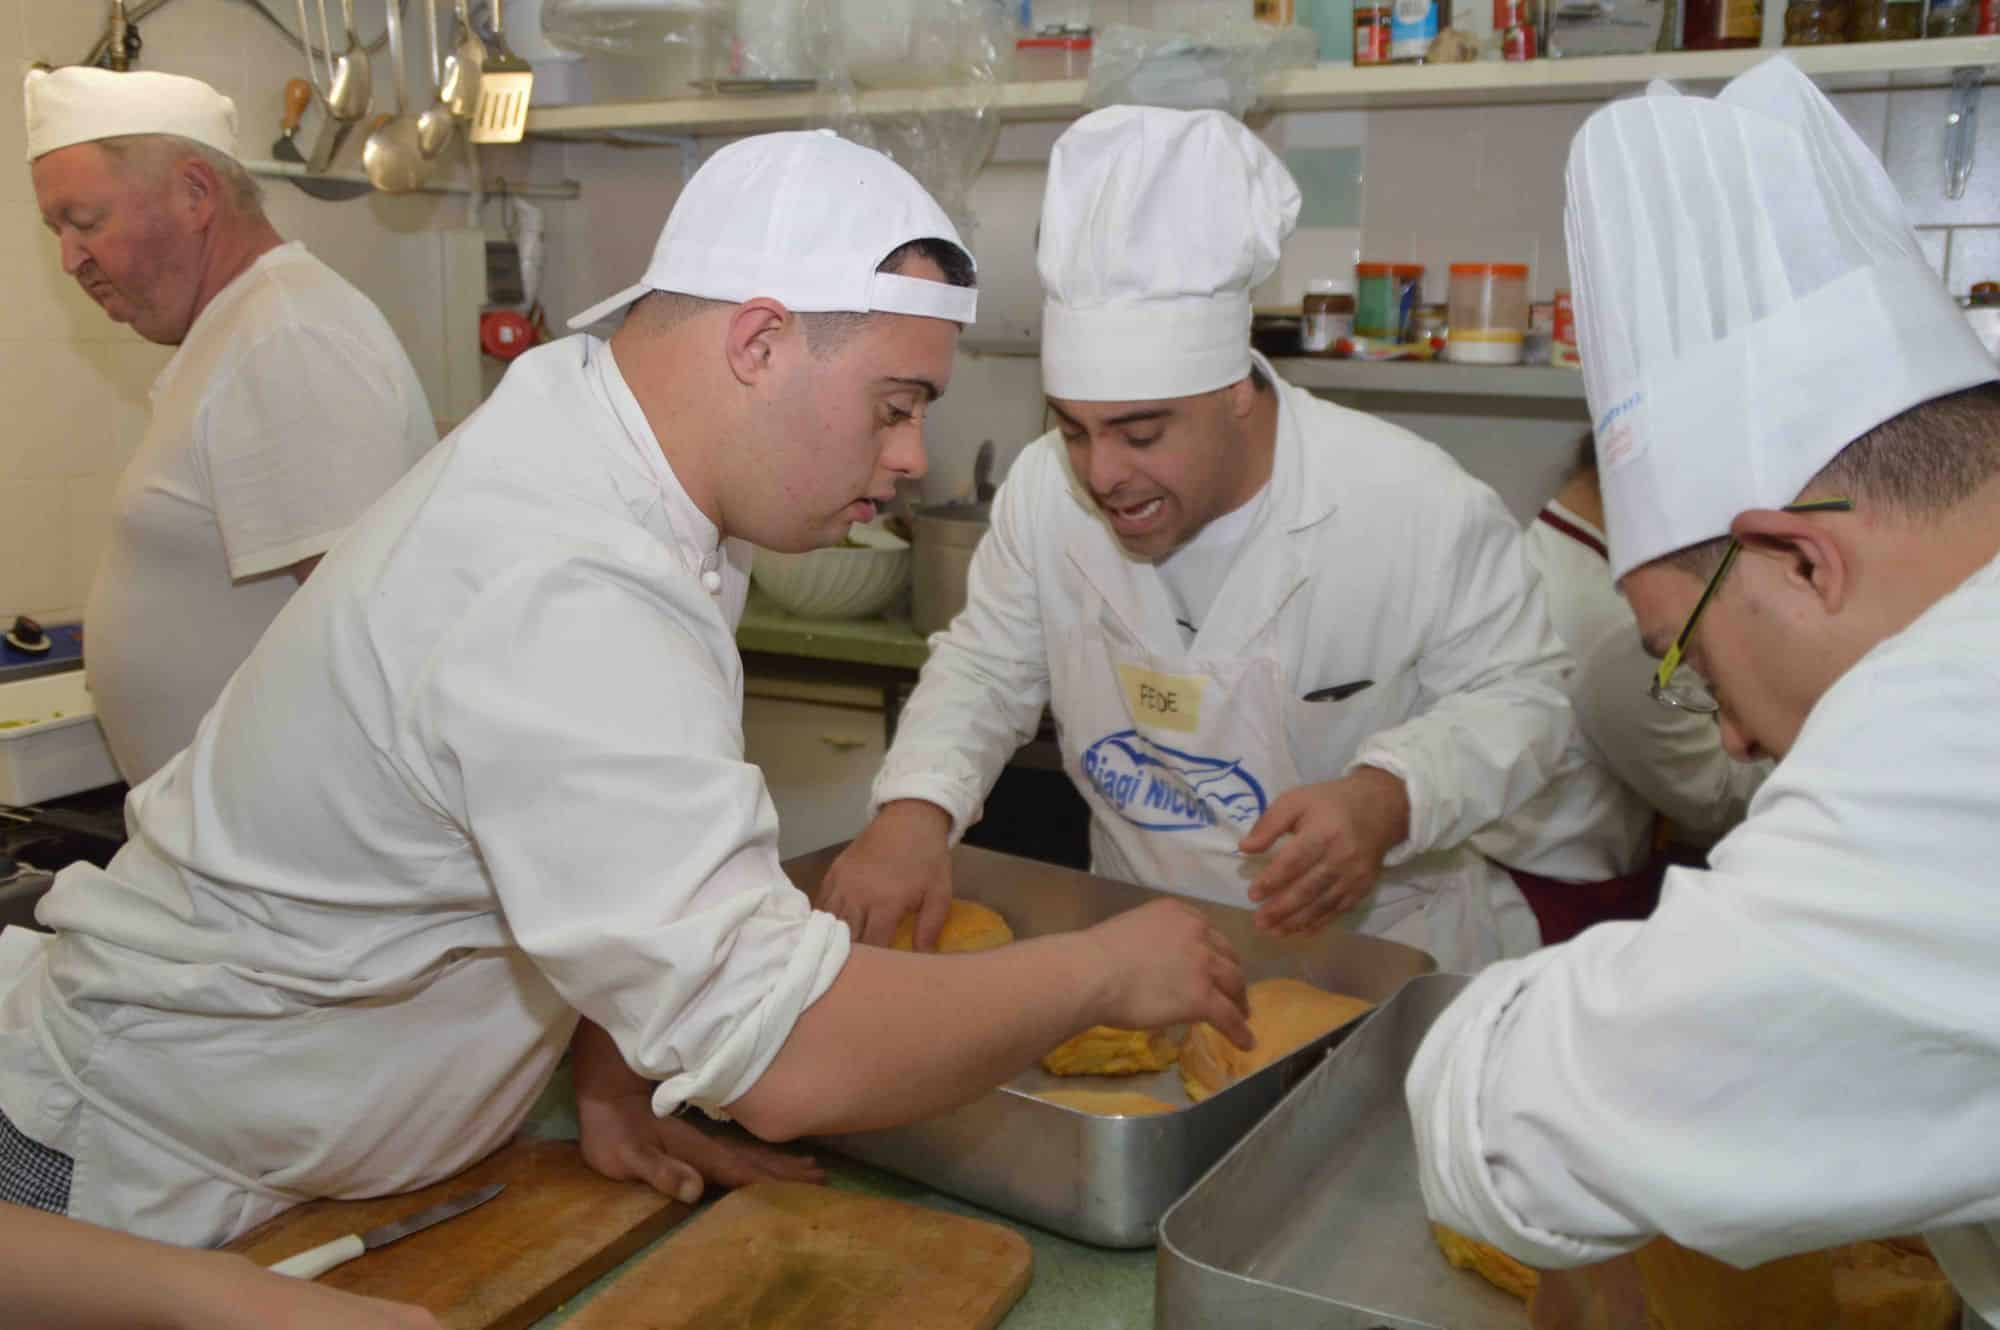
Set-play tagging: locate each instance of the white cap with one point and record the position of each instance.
(1155, 227)
(803, 217)
(81, 104)
(1750, 299)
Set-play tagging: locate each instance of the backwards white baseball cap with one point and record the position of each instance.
(804, 218)
(81, 104)
(1750, 299)
(1155, 226)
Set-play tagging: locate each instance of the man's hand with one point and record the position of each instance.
(1335, 836)
(1164, 963)
(623, 1140)
(901, 862)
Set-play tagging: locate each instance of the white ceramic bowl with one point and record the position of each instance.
(839, 583)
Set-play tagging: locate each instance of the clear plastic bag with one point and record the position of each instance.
(1220, 67)
(636, 27)
(947, 59)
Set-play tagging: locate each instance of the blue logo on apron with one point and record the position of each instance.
(1163, 789)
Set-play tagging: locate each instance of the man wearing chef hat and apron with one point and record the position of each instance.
(1800, 442)
(288, 407)
(487, 773)
(1285, 643)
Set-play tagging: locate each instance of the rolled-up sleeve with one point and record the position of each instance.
(586, 717)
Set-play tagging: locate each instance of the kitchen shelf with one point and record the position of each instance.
(1431, 376)
(1871, 66)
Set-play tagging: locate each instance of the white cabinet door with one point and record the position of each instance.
(818, 758)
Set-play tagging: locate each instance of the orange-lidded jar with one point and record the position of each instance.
(1489, 313)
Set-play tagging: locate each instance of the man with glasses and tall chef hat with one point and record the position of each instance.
(1294, 653)
(1800, 446)
(288, 407)
(480, 794)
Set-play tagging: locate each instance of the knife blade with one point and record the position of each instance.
(313, 1263)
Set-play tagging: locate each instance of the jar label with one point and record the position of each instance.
(1413, 26)
(1321, 328)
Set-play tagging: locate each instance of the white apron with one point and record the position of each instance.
(1179, 754)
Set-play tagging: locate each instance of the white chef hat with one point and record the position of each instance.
(1155, 226)
(1750, 299)
(803, 217)
(81, 104)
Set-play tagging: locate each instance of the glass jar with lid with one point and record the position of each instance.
(1886, 20)
(1816, 22)
(1489, 313)
(1326, 316)
(1951, 18)
(1386, 296)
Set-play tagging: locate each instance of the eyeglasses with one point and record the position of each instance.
(1689, 691)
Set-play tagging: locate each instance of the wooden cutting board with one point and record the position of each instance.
(501, 1266)
(792, 1256)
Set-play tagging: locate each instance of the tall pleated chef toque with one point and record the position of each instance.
(80, 104)
(1155, 226)
(802, 217)
(1750, 299)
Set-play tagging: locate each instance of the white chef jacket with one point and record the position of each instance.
(486, 767)
(1379, 559)
(1801, 1047)
(289, 408)
(1673, 761)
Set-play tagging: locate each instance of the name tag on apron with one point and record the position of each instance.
(1166, 701)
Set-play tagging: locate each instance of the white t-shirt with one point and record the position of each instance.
(485, 772)
(1195, 572)
(289, 408)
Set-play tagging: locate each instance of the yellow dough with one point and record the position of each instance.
(969, 927)
(1893, 1285)
(1284, 1013)
(1108, 1103)
(1489, 1263)
(1105, 1050)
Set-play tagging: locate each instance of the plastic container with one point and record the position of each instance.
(1413, 26)
(1386, 296)
(50, 744)
(1052, 55)
(1326, 316)
(1489, 313)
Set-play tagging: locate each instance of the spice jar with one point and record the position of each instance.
(1816, 22)
(1385, 299)
(1327, 316)
(1885, 20)
(1431, 324)
(1371, 34)
(1489, 313)
(1515, 33)
(1714, 25)
(1947, 19)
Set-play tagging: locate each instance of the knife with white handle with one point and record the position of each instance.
(316, 1262)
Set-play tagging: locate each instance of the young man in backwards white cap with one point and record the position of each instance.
(487, 773)
(1800, 441)
(1285, 643)
(288, 407)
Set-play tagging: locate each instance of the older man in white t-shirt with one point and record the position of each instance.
(288, 408)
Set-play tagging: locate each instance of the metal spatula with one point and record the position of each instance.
(505, 83)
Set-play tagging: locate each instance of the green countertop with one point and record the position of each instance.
(888, 641)
(1074, 1286)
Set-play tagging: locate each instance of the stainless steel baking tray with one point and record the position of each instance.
(1097, 1179)
(1315, 1219)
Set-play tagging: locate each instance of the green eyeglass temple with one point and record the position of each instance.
(1686, 699)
